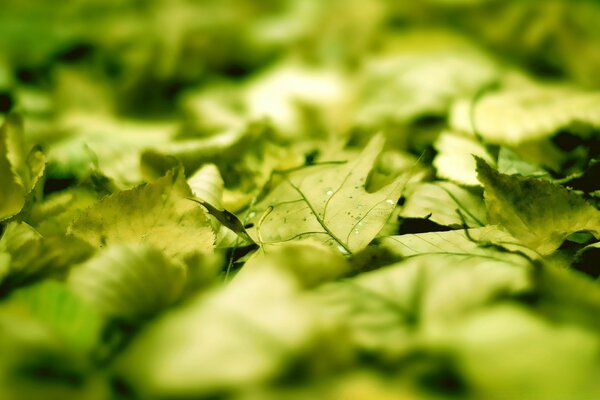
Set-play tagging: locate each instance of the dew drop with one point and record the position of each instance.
(390, 202)
(329, 193)
(356, 231)
(342, 249)
(252, 214)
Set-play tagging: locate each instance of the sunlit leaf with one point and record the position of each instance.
(527, 114)
(489, 244)
(157, 213)
(444, 203)
(538, 213)
(454, 160)
(328, 203)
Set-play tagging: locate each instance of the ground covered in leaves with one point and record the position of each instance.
(300, 200)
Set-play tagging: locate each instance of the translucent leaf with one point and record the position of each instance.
(237, 335)
(53, 214)
(528, 113)
(454, 159)
(538, 213)
(327, 202)
(443, 203)
(157, 213)
(206, 184)
(128, 281)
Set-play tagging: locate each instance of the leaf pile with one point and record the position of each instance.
(299, 200)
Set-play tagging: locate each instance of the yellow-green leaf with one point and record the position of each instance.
(129, 281)
(157, 213)
(538, 213)
(328, 202)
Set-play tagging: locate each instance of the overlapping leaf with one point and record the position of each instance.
(31, 256)
(538, 213)
(157, 213)
(489, 244)
(329, 203)
(444, 203)
(77, 324)
(454, 160)
(243, 333)
(384, 309)
(128, 281)
(528, 113)
(20, 170)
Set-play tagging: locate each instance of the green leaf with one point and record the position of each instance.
(237, 335)
(157, 213)
(283, 92)
(33, 256)
(69, 317)
(42, 353)
(527, 113)
(405, 85)
(327, 202)
(129, 282)
(510, 163)
(488, 244)
(444, 203)
(311, 261)
(538, 213)
(207, 184)
(385, 310)
(99, 142)
(506, 351)
(56, 211)
(568, 296)
(19, 172)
